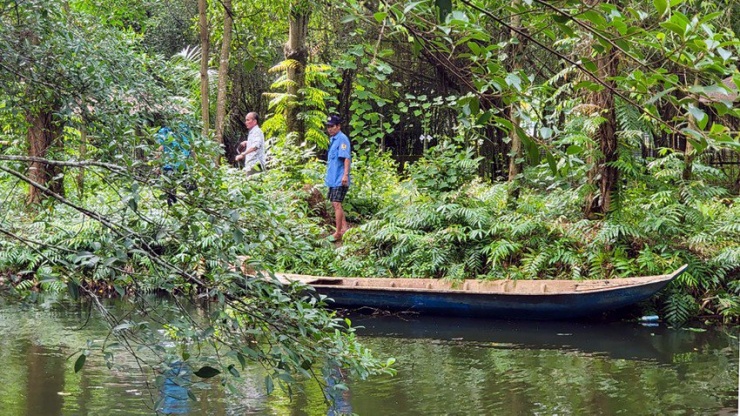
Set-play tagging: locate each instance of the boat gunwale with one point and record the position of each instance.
(608, 286)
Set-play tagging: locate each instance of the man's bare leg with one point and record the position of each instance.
(340, 221)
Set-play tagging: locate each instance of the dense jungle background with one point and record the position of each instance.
(521, 139)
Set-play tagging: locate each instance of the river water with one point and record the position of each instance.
(445, 367)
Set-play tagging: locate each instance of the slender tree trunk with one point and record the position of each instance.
(345, 98)
(223, 74)
(44, 133)
(515, 157)
(295, 50)
(204, 51)
(690, 153)
(83, 154)
(606, 135)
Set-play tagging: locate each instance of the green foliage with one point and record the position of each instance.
(679, 308)
(476, 229)
(312, 99)
(375, 184)
(444, 168)
(190, 248)
(120, 236)
(437, 219)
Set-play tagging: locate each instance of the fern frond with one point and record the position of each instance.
(500, 250)
(285, 65)
(679, 308)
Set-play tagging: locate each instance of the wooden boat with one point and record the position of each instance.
(507, 299)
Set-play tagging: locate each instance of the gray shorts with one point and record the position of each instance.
(337, 194)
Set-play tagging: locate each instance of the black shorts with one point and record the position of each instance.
(337, 194)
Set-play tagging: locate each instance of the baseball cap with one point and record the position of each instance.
(333, 121)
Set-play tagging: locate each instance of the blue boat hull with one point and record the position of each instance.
(504, 306)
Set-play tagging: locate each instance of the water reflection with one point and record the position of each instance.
(44, 380)
(445, 366)
(511, 368)
(619, 340)
(174, 398)
(338, 392)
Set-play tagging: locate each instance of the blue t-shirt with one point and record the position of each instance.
(339, 149)
(176, 147)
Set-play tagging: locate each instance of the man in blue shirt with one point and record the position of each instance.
(175, 149)
(337, 172)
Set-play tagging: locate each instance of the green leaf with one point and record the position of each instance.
(80, 362)
(552, 163)
(120, 290)
(594, 17)
(699, 115)
(724, 53)
(677, 29)
(207, 372)
(567, 30)
(589, 85)
(411, 6)
(546, 133)
(380, 16)
(348, 19)
(696, 138)
(475, 48)
(191, 396)
(514, 81)
(590, 65)
(661, 6)
(74, 289)
(234, 372)
(484, 118)
(531, 150)
(445, 8)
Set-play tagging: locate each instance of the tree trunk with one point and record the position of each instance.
(83, 155)
(515, 157)
(44, 133)
(608, 133)
(223, 74)
(295, 50)
(606, 136)
(345, 98)
(690, 153)
(204, 51)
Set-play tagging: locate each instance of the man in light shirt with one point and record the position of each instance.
(254, 148)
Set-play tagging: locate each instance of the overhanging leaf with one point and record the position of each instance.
(80, 362)
(207, 372)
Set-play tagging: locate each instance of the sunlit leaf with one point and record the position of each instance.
(661, 6)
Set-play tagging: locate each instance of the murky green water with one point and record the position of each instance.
(445, 367)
